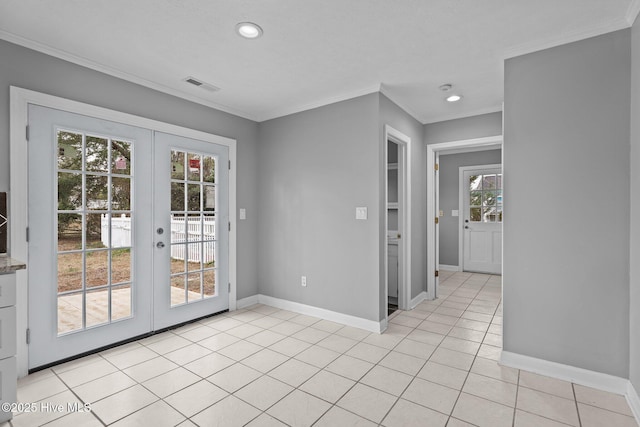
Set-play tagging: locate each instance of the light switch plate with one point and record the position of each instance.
(441, 213)
(243, 213)
(361, 213)
(454, 212)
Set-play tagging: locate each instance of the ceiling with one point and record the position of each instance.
(313, 52)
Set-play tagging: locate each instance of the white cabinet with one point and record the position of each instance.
(8, 376)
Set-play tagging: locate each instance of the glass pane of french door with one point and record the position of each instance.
(90, 271)
(193, 224)
(191, 204)
(94, 222)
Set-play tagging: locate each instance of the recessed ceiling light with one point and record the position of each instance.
(454, 98)
(249, 30)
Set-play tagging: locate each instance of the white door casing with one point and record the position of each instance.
(404, 218)
(476, 144)
(481, 218)
(20, 99)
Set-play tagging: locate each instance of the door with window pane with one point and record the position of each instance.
(128, 232)
(89, 216)
(191, 229)
(482, 233)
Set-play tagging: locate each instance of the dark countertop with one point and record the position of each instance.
(10, 265)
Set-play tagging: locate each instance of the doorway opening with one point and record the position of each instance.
(104, 192)
(394, 226)
(397, 222)
(434, 211)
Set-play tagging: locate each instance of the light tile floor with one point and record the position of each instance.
(434, 366)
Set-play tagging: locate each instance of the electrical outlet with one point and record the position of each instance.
(303, 282)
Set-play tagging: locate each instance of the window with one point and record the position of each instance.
(485, 198)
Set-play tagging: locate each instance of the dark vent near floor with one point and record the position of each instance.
(3, 223)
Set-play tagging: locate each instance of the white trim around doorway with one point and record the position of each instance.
(404, 287)
(476, 144)
(18, 187)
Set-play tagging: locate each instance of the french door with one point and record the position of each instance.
(120, 244)
(482, 232)
(191, 252)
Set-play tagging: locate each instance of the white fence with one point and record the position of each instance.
(120, 231)
(195, 231)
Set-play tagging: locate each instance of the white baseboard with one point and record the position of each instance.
(417, 300)
(334, 316)
(445, 267)
(247, 302)
(634, 401)
(575, 375)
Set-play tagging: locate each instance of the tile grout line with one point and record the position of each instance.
(575, 400)
(516, 401)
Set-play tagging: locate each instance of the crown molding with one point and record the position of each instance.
(84, 62)
(632, 12)
(344, 96)
(547, 43)
(462, 115)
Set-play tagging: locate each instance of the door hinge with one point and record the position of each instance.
(27, 234)
(436, 167)
(27, 132)
(229, 225)
(229, 164)
(437, 220)
(28, 336)
(437, 273)
(229, 287)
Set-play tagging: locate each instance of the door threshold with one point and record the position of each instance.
(120, 343)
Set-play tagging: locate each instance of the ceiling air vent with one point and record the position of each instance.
(201, 84)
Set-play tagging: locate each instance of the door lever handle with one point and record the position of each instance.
(466, 226)
(159, 245)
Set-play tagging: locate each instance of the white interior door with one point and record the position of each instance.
(89, 228)
(128, 232)
(191, 258)
(482, 213)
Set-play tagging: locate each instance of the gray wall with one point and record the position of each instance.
(566, 229)
(36, 71)
(449, 198)
(394, 116)
(634, 318)
(465, 128)
(315, 168)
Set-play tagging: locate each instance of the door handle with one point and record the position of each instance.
(159, 245)
(160, 230)
(466, 226)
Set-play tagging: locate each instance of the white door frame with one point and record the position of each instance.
(462, 188)
(18, 189)
(404, 217)
(462, 146)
